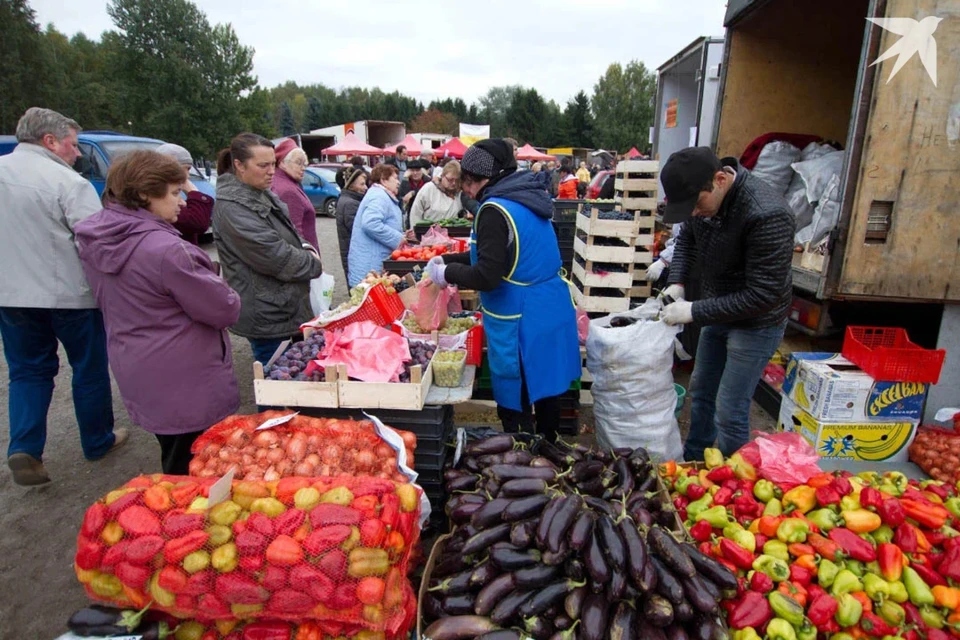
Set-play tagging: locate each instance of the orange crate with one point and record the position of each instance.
(379, 307)
(887, 354)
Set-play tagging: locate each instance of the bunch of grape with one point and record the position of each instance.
(448, 368)
(403, 285)
(420, 354)
(292, 363)
(456, 326)
(610, 267)
(615, 215)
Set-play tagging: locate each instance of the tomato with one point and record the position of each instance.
(370, 590)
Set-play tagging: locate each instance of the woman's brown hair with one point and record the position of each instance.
(241, 148)
(381, 172)
(140, 175)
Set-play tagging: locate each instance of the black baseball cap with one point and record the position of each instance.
(683, 176)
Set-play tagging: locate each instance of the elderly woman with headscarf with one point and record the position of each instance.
(514, 262)
(438, 201)
(352, 181)
(194, 218)
(291, 163)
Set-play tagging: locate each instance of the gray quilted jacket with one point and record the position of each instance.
(263, 259)
(745, 253)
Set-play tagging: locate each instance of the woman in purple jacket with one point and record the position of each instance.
(164, 307)
(291, 165)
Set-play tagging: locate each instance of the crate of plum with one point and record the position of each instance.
(603, 274)
(604, 249)
(409, 393)
(615, 224)
(635, 187)
(290, 379)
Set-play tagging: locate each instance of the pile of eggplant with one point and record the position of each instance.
(559, 541)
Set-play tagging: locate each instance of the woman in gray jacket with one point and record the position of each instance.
(353, 184)
(263, 257)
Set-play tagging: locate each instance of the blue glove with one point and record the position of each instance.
(434, 270)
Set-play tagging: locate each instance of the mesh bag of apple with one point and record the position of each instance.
(326, 549)
(303, 446)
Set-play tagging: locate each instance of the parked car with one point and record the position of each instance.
(596, 185)
(320, 185)
(334, 166)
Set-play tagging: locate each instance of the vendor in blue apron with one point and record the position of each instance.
(514, 262)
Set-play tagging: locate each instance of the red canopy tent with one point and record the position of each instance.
(633, 153)
(351, 145)
(413, 147)
(452, 148)
(527, 152)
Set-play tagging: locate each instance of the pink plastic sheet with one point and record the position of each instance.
(370, 353)
(783, 457)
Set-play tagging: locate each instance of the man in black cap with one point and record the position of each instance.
(411, 185)
(740, 232)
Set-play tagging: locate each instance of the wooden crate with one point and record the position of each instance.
(642, 291)
(611, 280)
(593, 225)
(598, 303)
(636, 185)
(410, 396)
(295, 393)
(596, 253)
(432, 559)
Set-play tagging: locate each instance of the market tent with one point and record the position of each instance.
(351, 145)
(633, 153)
(413, 147)
(452, 148)
(527, 152)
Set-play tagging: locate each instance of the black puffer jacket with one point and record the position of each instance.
(745, 253)
(347, 206)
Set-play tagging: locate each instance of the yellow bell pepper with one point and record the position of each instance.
(741, 468)
(802, 498)
(271, 507)
(409, 498)
(112, 533)
(861, 520)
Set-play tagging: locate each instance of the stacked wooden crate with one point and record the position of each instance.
(636, 192)
(603, 262)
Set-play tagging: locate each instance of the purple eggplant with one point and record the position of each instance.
(539, 627)
(699, 596)
(622, 452)
(683, 612)
(593, 617)
(600, 506)
(671, 552)
(574, 568)
(523, 508)
(469, 463)
(462, 513)
(522, 534)
(502, 634)
(611, 542)
(486, 538)
(463, 483)
(641, 516)
(626, 482)
(517, 456)
(508, 607)
(709, 568)
(432, 607)
(495, 591)
(592, 487)
(459, 628)
(647, 630)
(636, 548)
(451, 474)
(562, 622)
(491, 486)
(617, 585)
(573, 602)
(558, 558)
(562, 521)
(707, 627)
(494, 444)
(676, 632)
(522, 487)
(581, 529)
(489, 514)
(648, 579)
(460, 605)
(657, 610)
(449, 565)
(490, 459)
(585, 470)
(454, 585)
(623, 626)
(544, 463)
(668, 585)
(593, 558)
(511, 559)
(647, 484)
(546, 519)
(505, 472)
(485, 572)
(547, 596)
(535, 576)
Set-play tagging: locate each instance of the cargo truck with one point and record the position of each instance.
(379, 133)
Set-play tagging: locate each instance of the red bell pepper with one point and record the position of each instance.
(723, 496)
(842, 485)
(760, 540)
(143, 549)
(179, 548)
(939, 490)
(929, 575)
(94, 520)
(825, 547)
(875, 626)
(752, 610)
(890, 558)
(287, 523)
(736, 554)
(267, 631)
(934, 560)
(761, 582)
(131, 575)
(937, 634)
(815, 591)
(680, 502)
(827, 495)
(870, 497)
(929, 515)
(325, 514)
(140, 521)
(905, 537)
(89, 554)
(389, 512)
(721, 474)
(950, 565)
(695, 491)
(830, 627)
(822, 609)
(891, 512)
(935, 538)
(701, 531)
(261, 523)
(853, 545)
(801, 575)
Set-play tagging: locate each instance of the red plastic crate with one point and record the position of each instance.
(887, 354)
(473, 344)
(379, 307)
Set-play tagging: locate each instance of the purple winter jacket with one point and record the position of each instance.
(166, 312)
(302, 214)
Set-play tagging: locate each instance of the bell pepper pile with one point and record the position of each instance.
(841, 557)
(299, 549)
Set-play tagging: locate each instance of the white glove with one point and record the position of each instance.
(675, 291)
(654, 270)
(434, 270)
(679, 312)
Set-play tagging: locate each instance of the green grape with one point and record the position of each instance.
(448, 368)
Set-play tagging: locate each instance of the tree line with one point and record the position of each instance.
(164, 71)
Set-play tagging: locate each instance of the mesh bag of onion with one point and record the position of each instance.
(303, 446)
(324, 549)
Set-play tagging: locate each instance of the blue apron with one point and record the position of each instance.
(529, 319)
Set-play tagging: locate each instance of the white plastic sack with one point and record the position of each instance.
(796, 194)
(633, 394)
(816, 173)
(773, 164)
(828, 211)
(321, 293)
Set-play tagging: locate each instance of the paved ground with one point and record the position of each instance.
(38, 589)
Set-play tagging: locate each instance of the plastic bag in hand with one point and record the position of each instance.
(431, 307)
(435, 236)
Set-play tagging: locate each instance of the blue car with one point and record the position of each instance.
(320, 185)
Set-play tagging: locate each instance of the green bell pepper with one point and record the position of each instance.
(776, 549)
(949, 531)
(699, 506)
(773, 508)
(899, 481)
(855, 567)
(807, 631)
(717, 516)
(920, 594)
(873, 567)
(778, 570)
(850, 503)
(827, 572)
(793, 530)
(841, 636)
(931, 617)
(869, 477)
(876, 587)
(713, 458)
(892, 613)
(780, 629)
(825, 519)
(848, 611)
(846, 582)
(953, 506)
(884, 534)
(748, 633)
(786, 608)
(743, 538)
(898, 592)
(869, 538)
(684, 482)
(764, 491)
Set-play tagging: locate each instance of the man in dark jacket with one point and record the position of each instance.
(740, 232)
(411, 185)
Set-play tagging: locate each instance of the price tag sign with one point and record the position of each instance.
(276, 422)
(220, 490)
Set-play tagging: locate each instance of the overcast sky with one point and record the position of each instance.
(435, 49)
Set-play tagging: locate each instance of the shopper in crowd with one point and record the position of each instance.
(514, 262)
(567, 189)
(357, 163)
(291, 164)
(411, 184)
(378, 227)
(740, 232)
(44, 298)
(399, 159)
(536, 167)
(438, 201)
(264, 259)
(194, 218)
(515, 145)
(353, 185)
(165, 308)
(583, 174)
(429, 161)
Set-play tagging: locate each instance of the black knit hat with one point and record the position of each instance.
(489, 158)
(347, 175)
